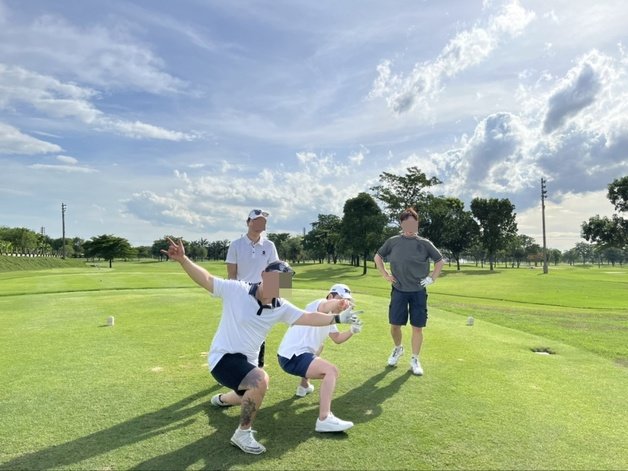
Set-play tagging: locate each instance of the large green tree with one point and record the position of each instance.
(497, 224)
(451, 228)
(362, 227)
(279, 239)
(584, 251)
(610, 232)
(324, 238)
(398, 192)
(618, 194)
(108, 247)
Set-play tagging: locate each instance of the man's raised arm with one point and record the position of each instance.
(202, 277)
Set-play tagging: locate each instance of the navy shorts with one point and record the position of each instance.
(231, 370)
(298, 364)
(404, 303)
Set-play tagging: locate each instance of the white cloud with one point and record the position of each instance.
(508, 152)
(12, 141)
(63, 168)
(105, 57)
(66, 159)
(574, 93)
(357, 157)
(139, 130)
(46, 94)
(468, 48)
(55, 99)
(220, 201)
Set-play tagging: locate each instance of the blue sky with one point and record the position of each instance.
(157, 117)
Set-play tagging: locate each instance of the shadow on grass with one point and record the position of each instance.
(285, 425)
(143, 427)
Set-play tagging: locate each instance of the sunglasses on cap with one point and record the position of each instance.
(256, 213)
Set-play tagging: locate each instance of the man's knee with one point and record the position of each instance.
(256, 379)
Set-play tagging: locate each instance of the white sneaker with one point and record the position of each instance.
(217, 402)
(246, 442)
(395, 355)
(302, 392)
(332, 424)
(415, 365)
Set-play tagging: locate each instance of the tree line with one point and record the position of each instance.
(485, 234)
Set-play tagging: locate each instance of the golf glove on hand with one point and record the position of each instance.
(356, 327)
(348, 316)
(425, 282)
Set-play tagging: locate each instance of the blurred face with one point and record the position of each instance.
(275, 282)
(410, 225)
(257, 225)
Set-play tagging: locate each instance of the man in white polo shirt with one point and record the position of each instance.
(250, 254)
(248, 313)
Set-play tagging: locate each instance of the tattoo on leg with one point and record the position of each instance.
(248, 412)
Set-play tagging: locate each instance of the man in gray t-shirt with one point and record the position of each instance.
(409, 257)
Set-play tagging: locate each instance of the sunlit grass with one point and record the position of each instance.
(77, 394)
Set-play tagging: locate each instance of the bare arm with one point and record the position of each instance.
(316, 319)
(333, 305)
(340, 337)
(381, 267)
(232, 271)
(202, 277)
(438, 267)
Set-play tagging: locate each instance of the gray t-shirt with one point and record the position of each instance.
(409, 259)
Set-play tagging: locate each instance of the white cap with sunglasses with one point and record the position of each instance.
(341, 290)
(258, 213)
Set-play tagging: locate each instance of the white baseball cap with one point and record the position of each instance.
(341, 290)
(258, 213)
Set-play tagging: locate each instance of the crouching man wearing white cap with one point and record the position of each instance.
(299, 352)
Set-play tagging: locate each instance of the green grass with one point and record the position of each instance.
(10, 263)
(76, 394)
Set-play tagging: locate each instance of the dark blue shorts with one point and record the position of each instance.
(297, 365)
(231, 370)
(404, 303)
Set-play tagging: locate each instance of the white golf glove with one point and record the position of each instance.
(348, 316)
(356, 327)
(425, 282)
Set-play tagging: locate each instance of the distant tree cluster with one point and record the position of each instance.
(26, 242)
(486, 233)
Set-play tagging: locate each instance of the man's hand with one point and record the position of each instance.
(425, 282)
(388, 277)
(341, 305)
(356, 327)
(175, 251)
(348, 316)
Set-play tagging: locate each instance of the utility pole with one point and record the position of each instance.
(63, 208)
(543, 196)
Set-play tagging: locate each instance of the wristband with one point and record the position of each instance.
(337, 319)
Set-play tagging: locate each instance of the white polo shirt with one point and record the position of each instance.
(240, 329)
(251, 258)
(300, 339)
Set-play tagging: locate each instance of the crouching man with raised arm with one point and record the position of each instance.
(249, 311)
